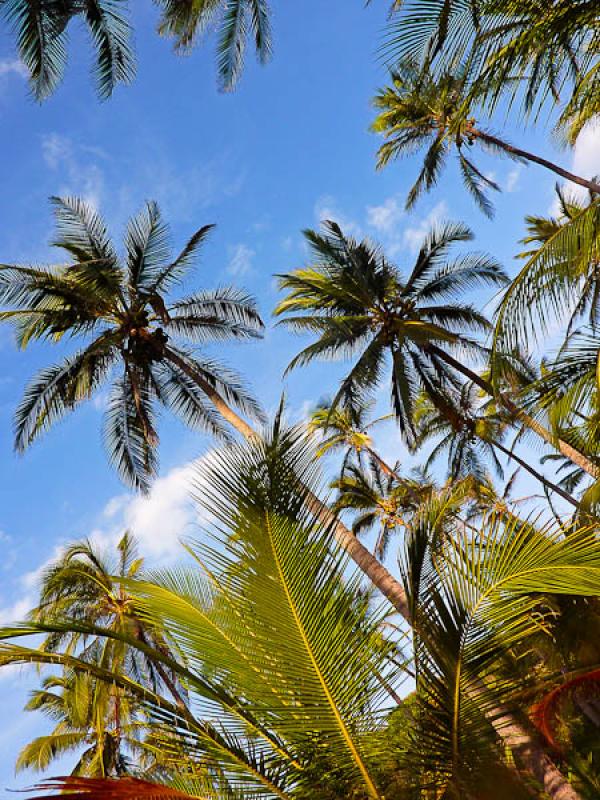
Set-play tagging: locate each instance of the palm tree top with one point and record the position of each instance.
(361, 306)
(119, 306)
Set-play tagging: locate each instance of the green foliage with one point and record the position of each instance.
(360, 306)
(122, 311)
(539, 54)
(283, 657)
(41, 30)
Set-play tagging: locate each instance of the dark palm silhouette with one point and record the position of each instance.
(121, 310)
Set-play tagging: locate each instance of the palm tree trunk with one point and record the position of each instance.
(566, 449)
(592, 186)
(391, 588)
(534, 758)
(553, 487)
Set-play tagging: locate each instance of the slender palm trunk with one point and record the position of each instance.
(522, 416)
(553, 487)
(513, 733)
(592, 186)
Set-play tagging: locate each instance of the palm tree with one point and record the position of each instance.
(284, 659)
(87, 588)
(378, 499)
(419, 110)
(288, 655)
(533, 53)
(359, 304)
(84, 585)
(121, 310)
(41, 29)
(93, 720)
(236, 21)
(346, 429)
(469, 432)
(560, 279)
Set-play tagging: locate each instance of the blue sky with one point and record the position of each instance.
(289, 147)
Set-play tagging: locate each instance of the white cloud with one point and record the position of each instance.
(385, 218)
(414, 235)
(586, 156)
(12, 66)
(18, 610)
(326, 208)
(168, 514)
(84, 178)
(159, 521)
(512, 179)
(240, 260)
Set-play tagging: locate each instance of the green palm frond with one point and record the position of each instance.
(478, 601)
(148, 247)
(534, 55)
(59, 389)
(41, 32)
(551, 281)
(110, 32)
(129, 434)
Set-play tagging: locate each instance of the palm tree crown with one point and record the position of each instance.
(420, 110)
(121, 310)
(360, 305)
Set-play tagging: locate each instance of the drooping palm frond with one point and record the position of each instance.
(236, 20)
(277, 642)
(521, 50)
(41, 31)
(555, 280)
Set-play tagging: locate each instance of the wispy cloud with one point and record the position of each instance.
(385, 218)
(12, 66)
(326, 208)
(240, 260)
(83, 177)
(512, 179)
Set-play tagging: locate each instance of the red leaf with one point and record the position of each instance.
(544, 713)
(106, 789)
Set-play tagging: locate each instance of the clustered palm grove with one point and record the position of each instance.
(389, 635)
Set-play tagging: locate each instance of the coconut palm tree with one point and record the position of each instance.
(419, 110)
(285, 651)
(359, 303)
(85, 585)
(93, 720)
(560, 279)
(469, 432)
(346, 429)
(378, 499)
(361, 306)
(284, 659)
(121, 311)
(236, 20)
(533, 53)
(94, 717)
(41, 30)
